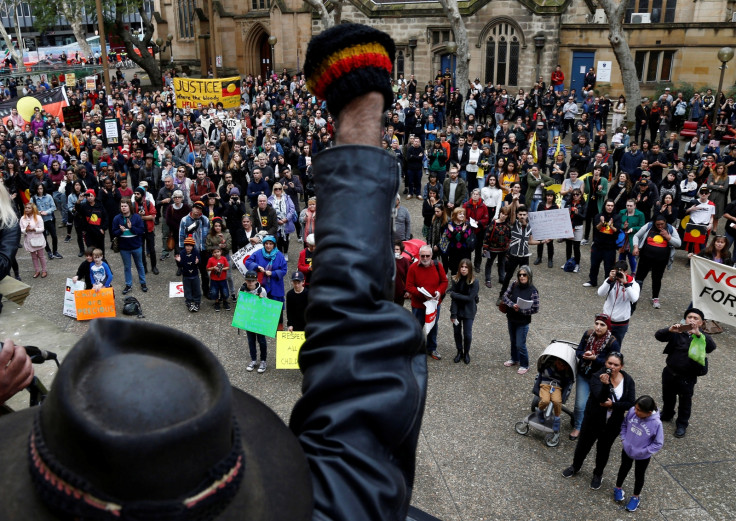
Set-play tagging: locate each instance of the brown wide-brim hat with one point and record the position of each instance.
(275, 484)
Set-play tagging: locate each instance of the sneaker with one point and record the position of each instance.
(655, 303)
(127, 289)
(436, 355)
(226, 305)
(68, 238)
(144, 288)
(584, 242)
(262, 367)
(420, 197)
(588, 284)
(50, 256)
(408, 197)
(569, 472)
(154, 270)
(618, 494)
(164, 255)
(562, 267)
(217, 306)
(576, 269)
(57, 255)
(595, 483)
(522, 370)
(286, 257)
(510, 363)
(680, 431)
(234, 297)
(190, 307)
(488, 284)
(252, 365)
(633, 504)
(196, 307)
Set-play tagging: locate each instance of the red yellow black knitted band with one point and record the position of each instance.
(347, 61)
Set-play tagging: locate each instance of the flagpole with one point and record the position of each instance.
(103, 48)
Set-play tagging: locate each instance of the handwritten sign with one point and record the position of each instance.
(70, 306)
(176, 289)
(288, 344)
(95, 304)
(90, 83)
(551, 224)
(190, 92)
(112, 132)
(71, 79)
(256, 314)
(239, 257)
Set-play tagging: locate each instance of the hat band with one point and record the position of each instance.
(68, 493)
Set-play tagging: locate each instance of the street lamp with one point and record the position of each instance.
(451, 49)
(539, 41)
(163, 45)
(272, 41)
(725, 55)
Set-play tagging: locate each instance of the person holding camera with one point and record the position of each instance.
(621, 292)
(591, 353)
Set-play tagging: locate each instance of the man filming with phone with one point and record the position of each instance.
(621, 292)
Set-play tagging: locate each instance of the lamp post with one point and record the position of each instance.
(451, 48)
(163, 45)
(272, 41)
(412, 46)
(725, 55)
(539, 41)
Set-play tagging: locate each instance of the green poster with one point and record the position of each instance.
(256, 314)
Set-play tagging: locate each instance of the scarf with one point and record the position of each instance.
(270, 256)
(309, 220)
(279, 204)
(596, 344)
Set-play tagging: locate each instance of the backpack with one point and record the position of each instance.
(569, 266)
(131, 306)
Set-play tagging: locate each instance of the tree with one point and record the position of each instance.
(452, 12)
(615, 11)
(329, 18)
(15, 52)
(47, 12)
(137, 48)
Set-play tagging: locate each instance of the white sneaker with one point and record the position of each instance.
(262, 367)
(286, 257)
(251, 365)
(655, 303)
(587, 285)
(584, 242)
(576, 269)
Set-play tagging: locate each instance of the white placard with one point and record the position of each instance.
(551, 224)
(176, 289)
(603, 73)
(582, 69)
(732, 179)
(70, 306)
(714, 289)
(238, 258)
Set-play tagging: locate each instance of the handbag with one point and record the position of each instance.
(115, 244)
(37, 240)
(444, 243)
(471, 241)
(503, 308)
(170, 242)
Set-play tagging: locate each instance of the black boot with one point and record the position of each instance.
(458, 357)
(466, 356)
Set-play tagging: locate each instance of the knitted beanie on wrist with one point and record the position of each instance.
(347, 61)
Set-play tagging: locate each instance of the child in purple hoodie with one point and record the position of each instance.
(642, 437)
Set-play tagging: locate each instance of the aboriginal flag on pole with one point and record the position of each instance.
(231, 87)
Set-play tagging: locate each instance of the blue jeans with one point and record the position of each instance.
(582, 391)
(60, 201)
(517, 334)
(463, 175)
(619, 332)
(632, 260)
(534, 205)
(138, 259)
(432, 336)
(252, 337)
(463, 333)
(192, 289)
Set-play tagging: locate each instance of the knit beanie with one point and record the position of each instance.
(347, 61)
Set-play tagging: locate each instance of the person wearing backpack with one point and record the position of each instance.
(621, 292)
(653, 245)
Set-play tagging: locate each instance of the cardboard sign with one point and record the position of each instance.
(239, 257)
(70, 306)
(257, 314)
(176, 289)
(72, 117)
(112, 131)
(71, 79)
(90, 83)
(95, 304)
(714, 289)
(288, 345)
(191, 92)
(550, 224)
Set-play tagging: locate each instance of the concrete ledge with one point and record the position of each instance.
(14, 290)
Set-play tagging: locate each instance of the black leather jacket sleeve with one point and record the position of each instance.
(9, 238)
(365, 376)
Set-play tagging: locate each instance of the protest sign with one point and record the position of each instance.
(256, 314)
(550, 224)
(239, 257)
(70, 306)
(94, 304)
(191, 92)
(288, 344)
(176, 289)
(71, 79)
(713, 289)
(72, 117)
(90, 83)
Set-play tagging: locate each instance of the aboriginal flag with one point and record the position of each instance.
(696, 233)
(52, 102)
(231, 88)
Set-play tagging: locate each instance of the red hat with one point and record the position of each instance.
(90, 192)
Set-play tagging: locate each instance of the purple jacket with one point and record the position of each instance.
(641, 437)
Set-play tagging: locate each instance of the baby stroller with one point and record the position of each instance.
(542, 421)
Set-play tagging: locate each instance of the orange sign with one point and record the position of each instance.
(94, 304)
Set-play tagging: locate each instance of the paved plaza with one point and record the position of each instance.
(471, 464)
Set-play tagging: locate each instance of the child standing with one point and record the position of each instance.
(100, 273)
(296, 303)
(552, 380)
(187, 261)
(642, 438)
(217, 267)
(253, 286)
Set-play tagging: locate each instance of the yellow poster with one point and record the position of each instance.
(288, 344)
(190, 92)
(71, 79)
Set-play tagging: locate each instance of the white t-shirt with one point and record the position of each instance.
(702, 213)
(618, 392)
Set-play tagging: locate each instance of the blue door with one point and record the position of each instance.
(581, 63)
